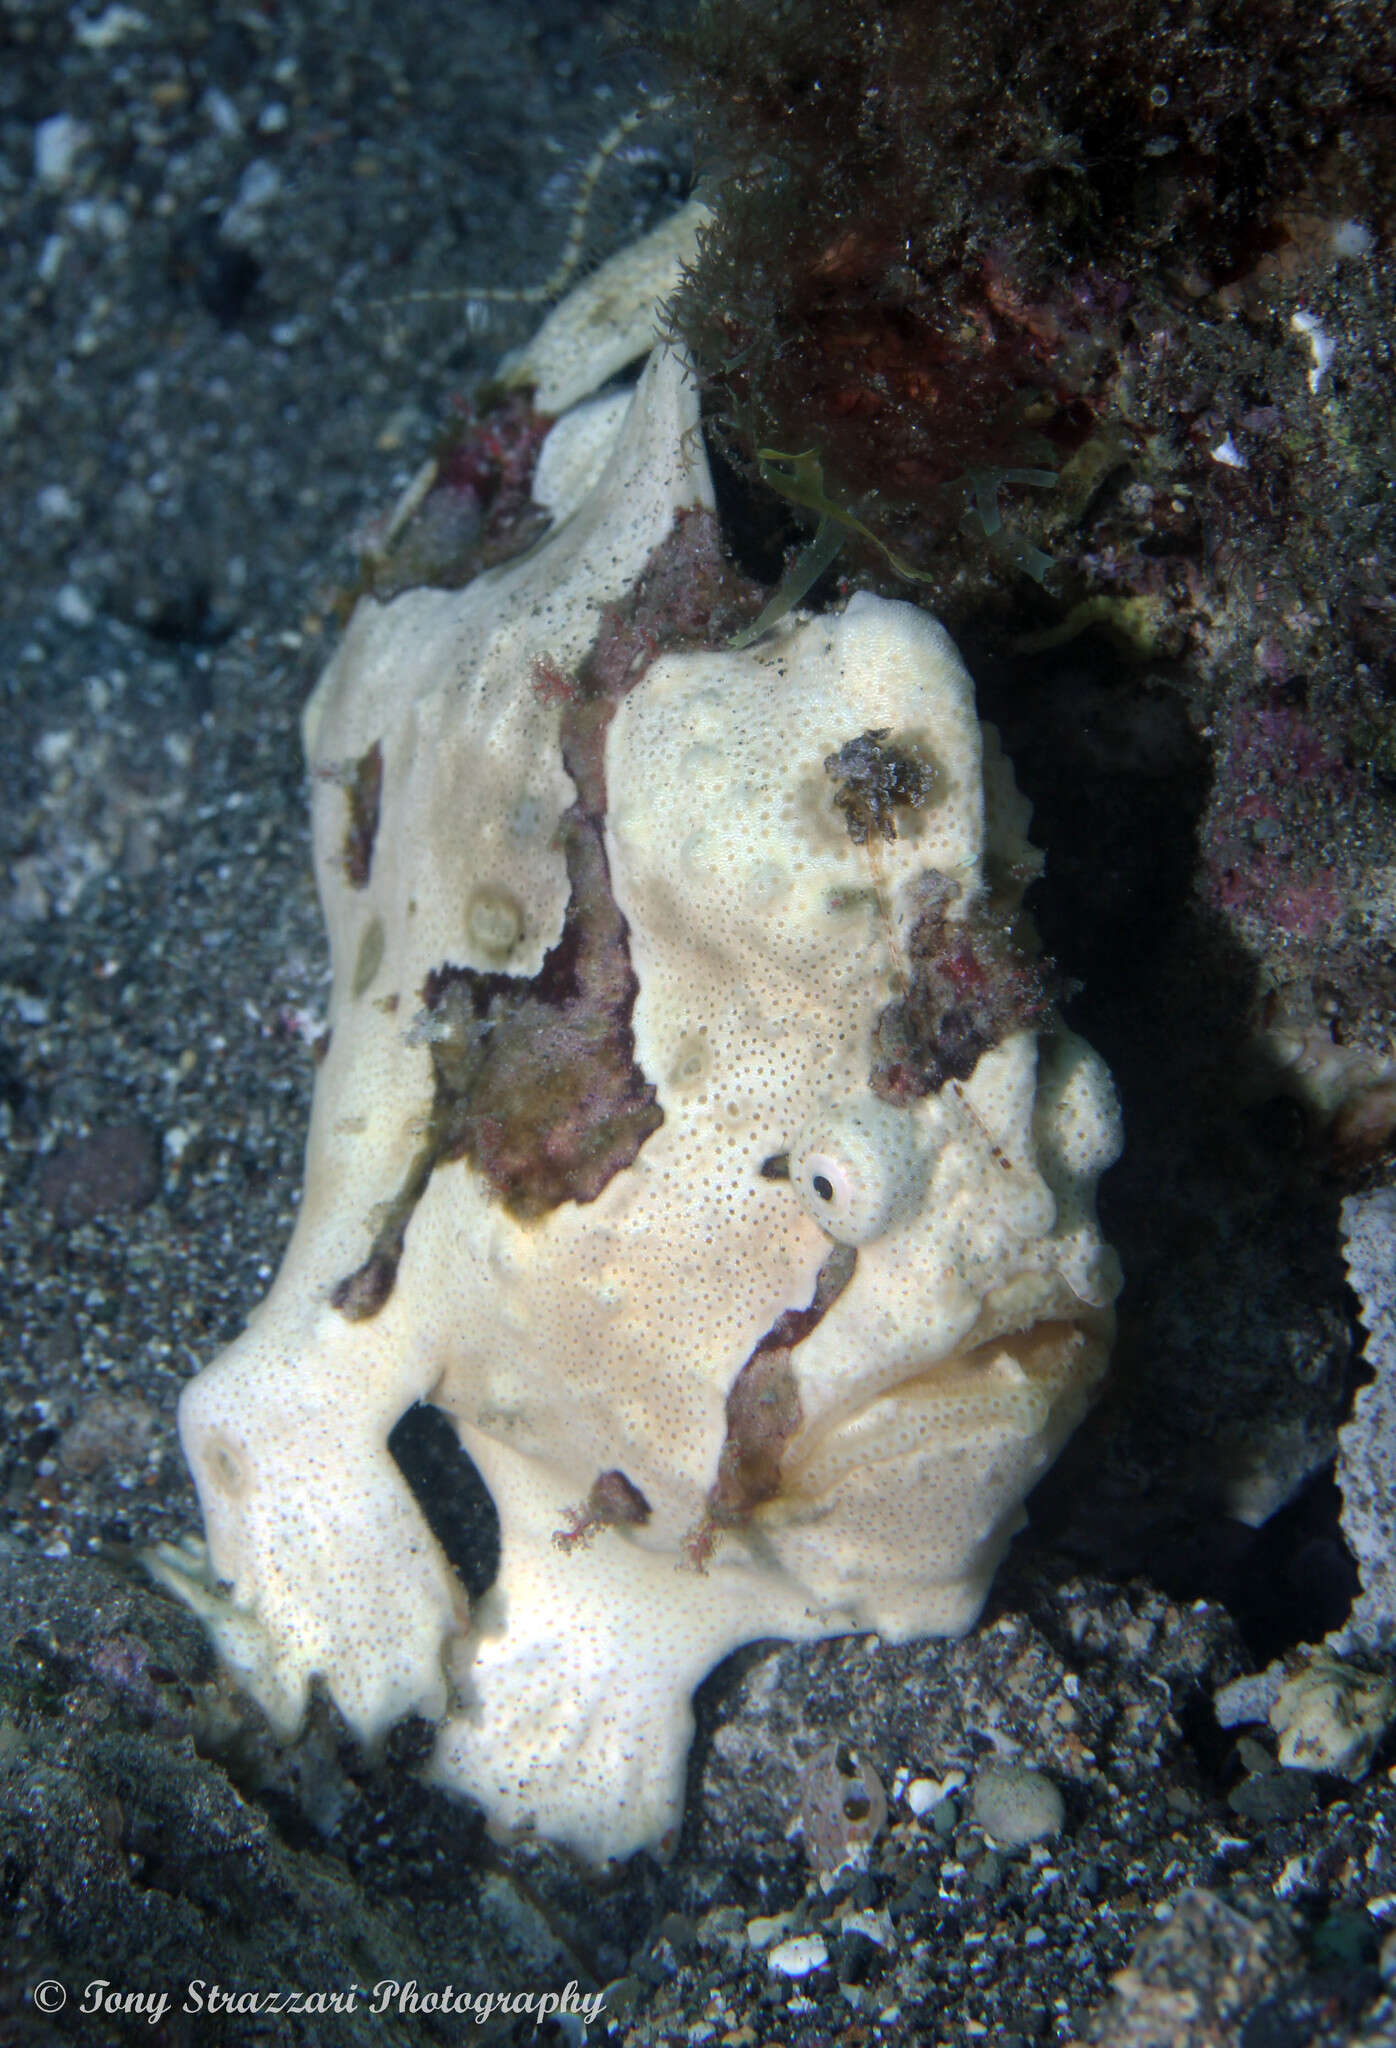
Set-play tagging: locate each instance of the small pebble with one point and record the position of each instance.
(1015, 1806)
(260, 184)
(112, 26)
(874, 1927)
(56, 502)
(724, 1927)
(1386, 1961)
(73, 607)
(761, 1932)
(113, 1172)
(222, 112)
(924, 1794)
(51, 256)
(58, 143)
(1274, 1796)
(798, 1956)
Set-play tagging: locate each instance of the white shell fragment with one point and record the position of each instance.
(799, 1956)
(1332, 1717)
(711, 1400)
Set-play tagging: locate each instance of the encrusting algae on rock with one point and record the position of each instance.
(692, 1131)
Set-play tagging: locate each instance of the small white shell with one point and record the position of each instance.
(857, 1169)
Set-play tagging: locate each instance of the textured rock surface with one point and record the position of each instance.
(1192, 1981)
(1367, 1442)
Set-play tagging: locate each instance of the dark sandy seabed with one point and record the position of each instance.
(212, 380)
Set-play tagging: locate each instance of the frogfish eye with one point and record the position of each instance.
(856, 1168)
